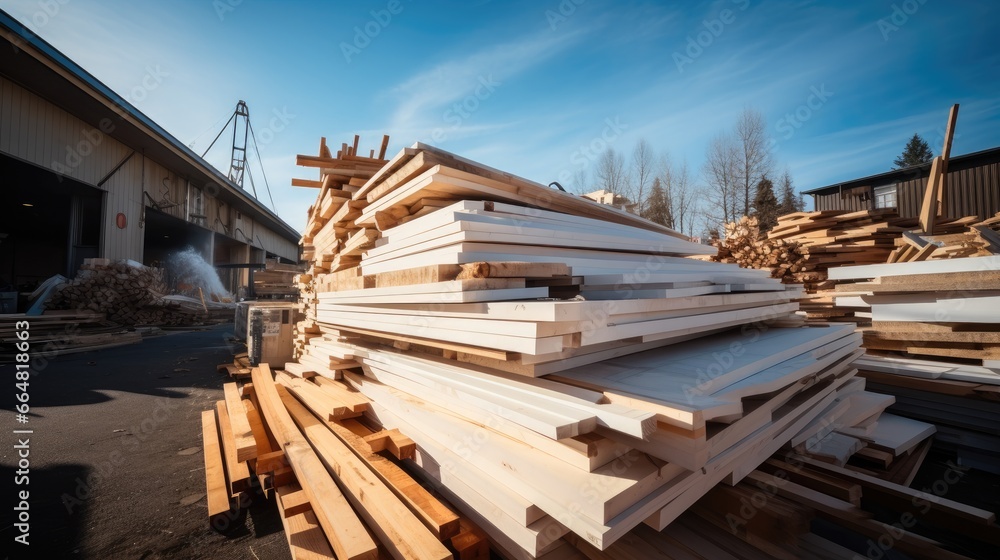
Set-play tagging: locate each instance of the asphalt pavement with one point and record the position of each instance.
(116, 468)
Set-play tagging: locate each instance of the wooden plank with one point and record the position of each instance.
(976, 518)
(929, 209)
(347, 535)
(306, 540)
(306, 183)
(615, 487)
(440, 520)
(293, 501)
(842, 490)
(949, 133)
(246, 446)
(398, 529)
(215, 473)
(974, 264)
(237, 472)
(850, 517)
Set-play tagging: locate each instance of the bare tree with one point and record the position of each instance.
(754, 155)
(611, 174)
(722, 175)
(683, 198)
(580, 182)
(642, 174)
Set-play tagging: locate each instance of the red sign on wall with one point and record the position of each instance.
(120, 221)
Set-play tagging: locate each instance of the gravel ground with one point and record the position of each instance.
(116, 464)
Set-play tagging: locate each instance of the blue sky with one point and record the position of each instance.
(532, 87)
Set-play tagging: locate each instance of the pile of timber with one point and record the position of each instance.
(744, 245)
(129, 293)
(525, 341)
(54, 333)
(962, 401)
(338, 483)
(277, 280)
(930, 309)
(982, 239)
(934, 344)
(829, 239)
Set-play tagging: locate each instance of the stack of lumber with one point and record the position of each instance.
(338, 483)
(744, 245)
(277, 280)
(128, 293)
(933, 343)
(526, 341)
(928, 309)
(982, 239)
(57, 332)
(962, 401)
(832, 238)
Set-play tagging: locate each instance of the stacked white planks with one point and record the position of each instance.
(527, 341)
(945, 309)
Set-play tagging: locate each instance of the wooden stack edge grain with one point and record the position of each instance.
(338, 484)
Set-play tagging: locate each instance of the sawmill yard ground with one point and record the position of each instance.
(116, 464)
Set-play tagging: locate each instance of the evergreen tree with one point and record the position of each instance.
(765, 205)
(916, 152)
(790, 202)
(657, 207)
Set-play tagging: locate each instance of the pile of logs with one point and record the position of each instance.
(744, 245)
(129, 294)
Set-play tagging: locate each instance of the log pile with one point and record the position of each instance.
(524, 341)
(744, 245)
(130, 294)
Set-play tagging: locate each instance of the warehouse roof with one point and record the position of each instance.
(43, 69)
(954, 163)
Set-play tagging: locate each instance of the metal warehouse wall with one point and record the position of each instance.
(973, 191)
(44, 134)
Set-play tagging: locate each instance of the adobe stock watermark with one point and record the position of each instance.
(461, 110)
(47, 10)
(279, 121)
(93, 137)
(793, 120)
(705, 38)
(365, 34)
(562, 12)
(588, 153)
(899, 17)
(223, 7)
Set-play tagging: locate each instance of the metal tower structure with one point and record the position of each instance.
(239, 156)
(238, 163)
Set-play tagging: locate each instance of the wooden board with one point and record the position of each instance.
(215, 472)
(976, 264)
(397, 527)
(347, 535)
(236, 471)
(246, 446)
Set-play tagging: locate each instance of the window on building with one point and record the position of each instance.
(885, 197)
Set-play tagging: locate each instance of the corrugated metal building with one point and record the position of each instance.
(84, 174)
(973, 188)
